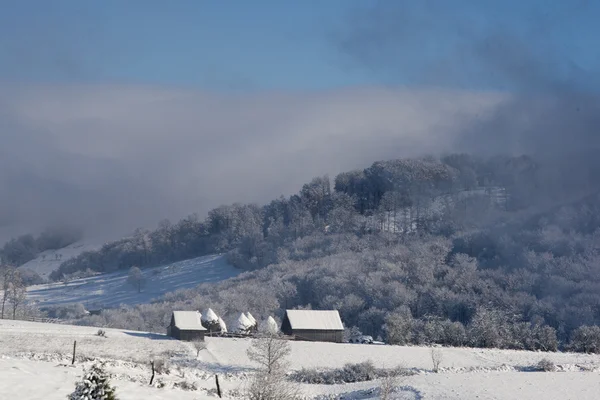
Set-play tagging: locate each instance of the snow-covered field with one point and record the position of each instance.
(35, 358)
(50, 260)
(109, 290)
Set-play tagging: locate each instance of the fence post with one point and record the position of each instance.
(218, 386)
(74, 347)
(152, 378)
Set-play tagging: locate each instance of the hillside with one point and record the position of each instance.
(49, 260)
(112, 289)
(34, 349)
(455, 250)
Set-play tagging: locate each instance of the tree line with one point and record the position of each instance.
(399, 195)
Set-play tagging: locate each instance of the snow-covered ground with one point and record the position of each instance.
(50, 260)
(34, 360)
(109, 290)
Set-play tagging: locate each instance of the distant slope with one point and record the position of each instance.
(110, 290)
(50, 260)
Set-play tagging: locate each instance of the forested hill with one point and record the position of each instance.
(413, 196)
(499, 252)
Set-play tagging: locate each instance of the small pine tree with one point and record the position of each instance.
(94, 386)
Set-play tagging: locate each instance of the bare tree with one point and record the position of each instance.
(270, 352)
(136, 278)
(387, 387)
(18, 293)
(199, 345)
(270, 382)
(5, 279)
(264, 386)
(436, 359)
(13, 290)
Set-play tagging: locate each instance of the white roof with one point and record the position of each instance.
(323, 320)
(188, 320)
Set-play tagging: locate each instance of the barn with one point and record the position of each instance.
(186, 325)
(313, 325)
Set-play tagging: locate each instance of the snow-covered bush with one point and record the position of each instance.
(95, 385)
(185, 385)
(264, 386)
(349, 373)
(545, 365)
(161, 366)
(69, 311)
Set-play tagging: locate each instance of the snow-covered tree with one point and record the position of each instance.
(136, 278)
(95, 385)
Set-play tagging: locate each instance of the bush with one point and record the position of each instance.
(349, 373)
(585, 339)
(161, 366)
(101, 333)
(545, 365)
(185, 385)
(69, 311)
(30, 277)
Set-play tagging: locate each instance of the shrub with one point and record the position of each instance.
(69, 311)
(586, 339)
(436, 359)
(545, 365)
(185, 385)
(349, 373)
(101, 333)
(161, 366)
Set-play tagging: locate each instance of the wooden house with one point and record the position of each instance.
(313, 325)
(186, 325)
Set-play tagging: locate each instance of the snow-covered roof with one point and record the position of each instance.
(325, 320)
(188, 320)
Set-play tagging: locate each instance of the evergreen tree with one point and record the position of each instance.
(94, 386)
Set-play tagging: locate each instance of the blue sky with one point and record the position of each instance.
(282, 45)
